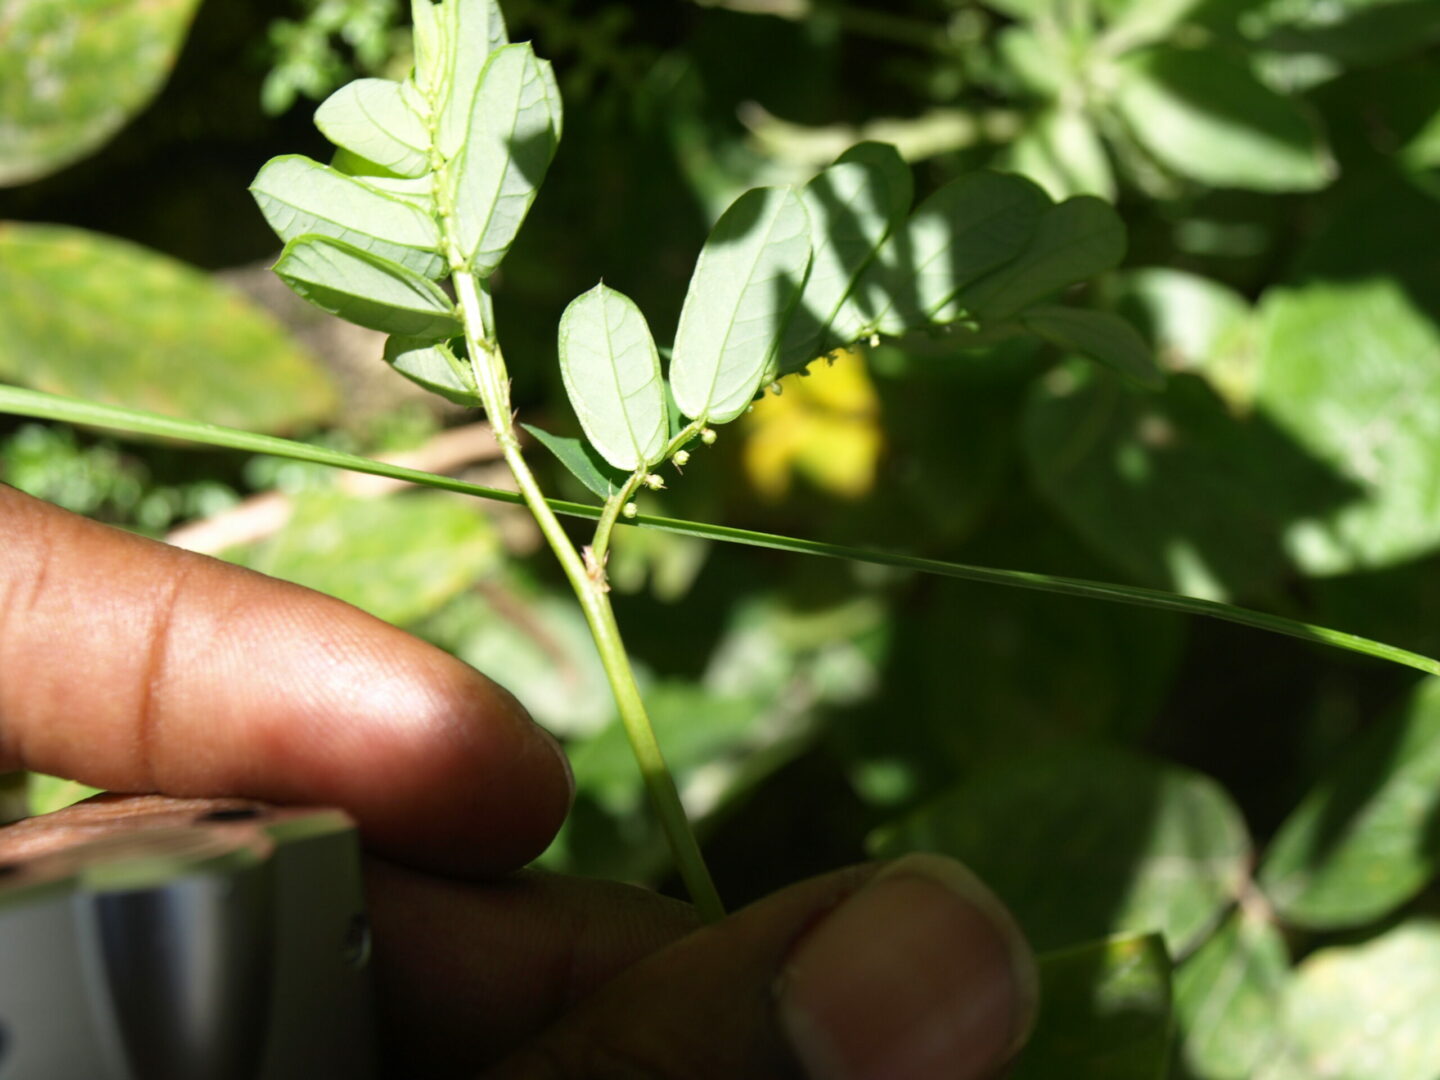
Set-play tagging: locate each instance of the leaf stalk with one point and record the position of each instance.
(493, 383)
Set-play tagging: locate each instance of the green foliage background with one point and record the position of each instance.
(1260, 814)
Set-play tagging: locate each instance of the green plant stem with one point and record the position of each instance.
(35, 403)
(587, 578)
(615, 505)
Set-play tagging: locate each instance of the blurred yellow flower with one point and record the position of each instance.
(824, 427)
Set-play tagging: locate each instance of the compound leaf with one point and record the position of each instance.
(366, 289)
(300, 196)
(612, 374)
(511, 139)
(746, 282)
(379, 120)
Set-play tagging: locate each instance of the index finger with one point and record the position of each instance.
(138, 667)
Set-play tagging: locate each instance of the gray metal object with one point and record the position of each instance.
(149, 938)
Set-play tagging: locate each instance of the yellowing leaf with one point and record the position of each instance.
(824, 427)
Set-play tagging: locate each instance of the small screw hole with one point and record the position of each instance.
(233, 813)
(355, 950)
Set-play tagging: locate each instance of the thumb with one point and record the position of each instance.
(905, 971)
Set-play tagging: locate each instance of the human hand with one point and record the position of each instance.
(137, 667)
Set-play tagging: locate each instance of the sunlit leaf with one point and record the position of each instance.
(434, 365)
(1207, 117)
(1193, 324)
(1104, 1013)
(72, 74)
(104, 319)
(1227, 998)
(474, 30)
(1073, 241)
(1351, 372)
(612, 374)
(1364, 840)
(745, 285)
(50, 793)
(380, 120)
(1098, 335)
(366, 289)
(1086, 842)
(300, 196)
(398, 557)
(511, 139)
(1368, 1010)
(1062, 152)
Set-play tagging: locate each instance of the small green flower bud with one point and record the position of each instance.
(629, 510)
(708, 436)
(654, 482)
(681, 458)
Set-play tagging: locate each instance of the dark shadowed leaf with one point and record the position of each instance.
(1088, 842)
(1104, 1013)
(1098, 335)
(1367, 837)
(1175, 487)
(580, 458)
(1074, 241)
